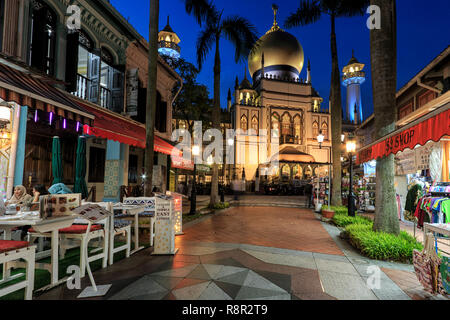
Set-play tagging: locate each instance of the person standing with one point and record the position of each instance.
(309, 193)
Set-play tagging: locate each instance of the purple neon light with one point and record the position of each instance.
(78, 126)
(35, 116)
(51, 117)
(64, 123)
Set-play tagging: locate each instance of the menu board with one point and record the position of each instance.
(164, 226)
(92, 212)
(57, 205)
(177, 212)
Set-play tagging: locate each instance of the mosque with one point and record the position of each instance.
(277, 100)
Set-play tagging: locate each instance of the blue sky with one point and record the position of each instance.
(423, 33)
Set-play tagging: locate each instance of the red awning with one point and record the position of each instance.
(36, 92)
(429, 128)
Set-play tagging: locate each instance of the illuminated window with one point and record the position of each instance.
(244, 122)
(286, 125)
(325, 130)
(286, 172)
(275, 125)
(315, 129)
(255, 124)
(298, 128)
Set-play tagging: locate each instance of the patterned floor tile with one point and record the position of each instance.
(213, 292)
(345, 286)
(284, 259)
(230, 289)
(247, 293)
(336, 266)
(235, 278)
(228, 270)
(254, 280)
(212, 269)
(191, 292)
(188, 282)
(281, 280)
(178, 272)
(142, 287)
(199, 273)
(167, 282)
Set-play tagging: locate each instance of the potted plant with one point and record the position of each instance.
(327, 212)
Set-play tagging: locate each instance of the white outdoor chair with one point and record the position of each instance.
(14, 250)
(148, 213)
(116, 227)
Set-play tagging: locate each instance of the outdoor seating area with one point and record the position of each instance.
(57, 233)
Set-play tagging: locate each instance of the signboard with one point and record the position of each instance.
(57, 205)
(92, 212)
(132, 92)
(164, 226)
(432, 129)
(178, 212)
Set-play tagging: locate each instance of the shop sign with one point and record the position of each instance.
(432, 129)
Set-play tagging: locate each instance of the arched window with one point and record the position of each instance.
(255, 124)
(286, 125)
(298, 129)
(308, 172)
(244, 122)
(275, 125)
(285, 172)
(43, 40)
(297, 172)
(325, 130)
(315, 129)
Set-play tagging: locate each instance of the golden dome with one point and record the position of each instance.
(280, 48)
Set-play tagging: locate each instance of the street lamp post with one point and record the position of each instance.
(351, 149)
(195, 153)
(320, 139)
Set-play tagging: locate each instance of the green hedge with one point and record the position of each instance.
(342, 220)
(221, 205)
(339, 210)
(380, 245)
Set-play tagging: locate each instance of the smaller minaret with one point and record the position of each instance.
(308, 76)
(229, 100)
(353, 77)
(236, 91)
(168, 42)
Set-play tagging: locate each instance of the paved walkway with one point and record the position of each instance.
(255, 253)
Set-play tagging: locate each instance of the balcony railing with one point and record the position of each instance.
(105, 97)
(83, 85)
(169, 45)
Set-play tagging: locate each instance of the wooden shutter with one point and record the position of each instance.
(94, 73)
(72, 61)
(117, 90)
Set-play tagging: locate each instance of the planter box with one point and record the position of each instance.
(329, 214)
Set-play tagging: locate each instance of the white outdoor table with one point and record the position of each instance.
(132, 210)
(8, 223)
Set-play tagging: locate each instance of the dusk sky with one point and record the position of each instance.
(423, 33)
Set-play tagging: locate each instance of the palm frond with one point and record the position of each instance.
(351, 8)
(309, 11)
(205, 42)
(202, 10)
(241, 33)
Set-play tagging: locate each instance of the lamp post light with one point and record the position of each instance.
(195, 153)
(320, 139)
(351, 149)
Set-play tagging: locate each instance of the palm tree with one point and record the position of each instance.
(240, 32)
(308, 12)
(383, 55)
(151, 96)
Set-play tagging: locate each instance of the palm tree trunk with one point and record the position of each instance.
(151, 95)
(336, 119)
(383, 49)
(216, 123)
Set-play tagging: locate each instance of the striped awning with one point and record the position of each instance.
(27, 90)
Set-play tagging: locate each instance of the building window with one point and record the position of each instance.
(255, 125)
(97, 158)
(275, 125)
(315, 128)
(244, 122)
(405, 110)
(298, 129)
(285, 172)
(43, 41)
(325, 130)
(286, 125)
(425, 98)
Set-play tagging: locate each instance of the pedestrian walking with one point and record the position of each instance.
(309, 193)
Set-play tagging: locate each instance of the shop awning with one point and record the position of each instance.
(27, 90)
(112, 126)
(431, 127)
